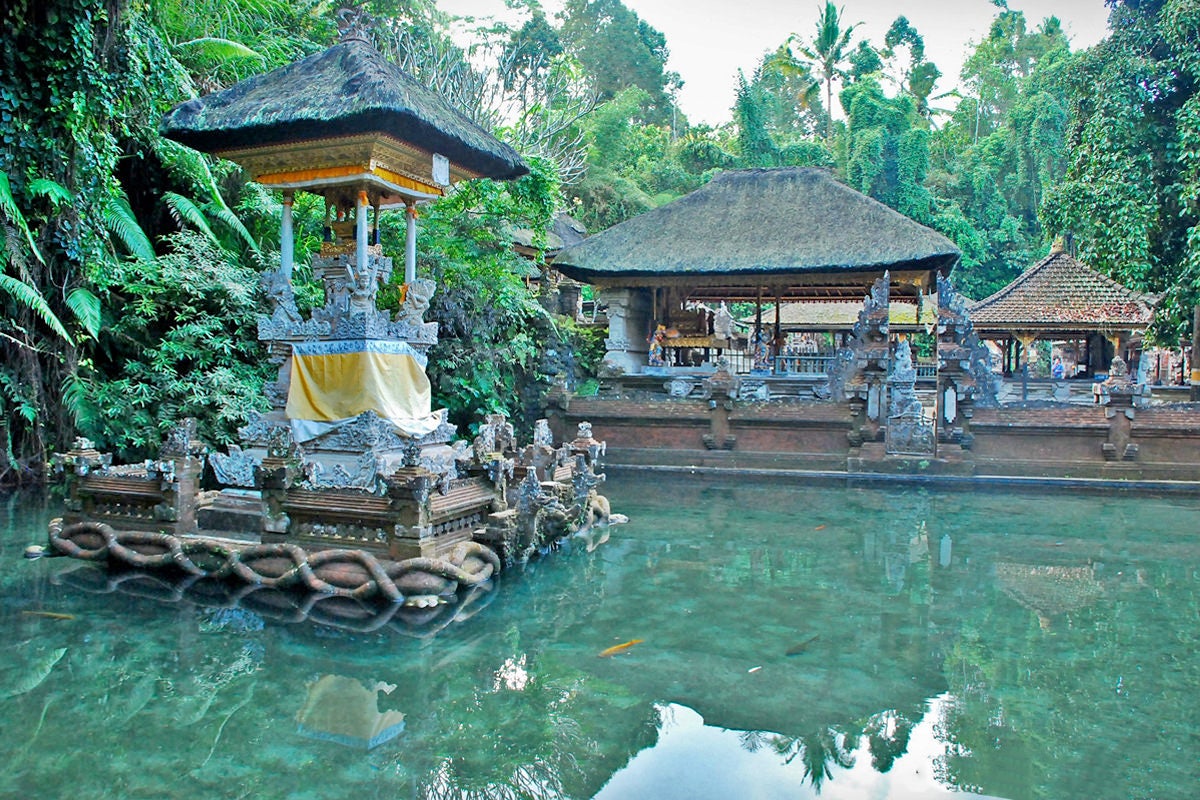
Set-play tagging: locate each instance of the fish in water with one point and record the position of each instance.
(618, 648)
(819, 528)
(797, 649)
(35, 676)
(48, 614)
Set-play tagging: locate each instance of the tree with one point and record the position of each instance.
(791, 93)
(1001, 148)
(519, 83)
(618, 50)
(757, 148)
(1130, 194)
(827, 51)
(916, 75)
(1000, 65)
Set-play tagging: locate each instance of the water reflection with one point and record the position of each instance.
(793, 642)
(250, 605)
(346, 711)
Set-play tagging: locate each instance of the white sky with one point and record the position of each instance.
(710, 40)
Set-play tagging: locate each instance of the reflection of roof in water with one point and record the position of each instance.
(342, 710)
(1047, 589)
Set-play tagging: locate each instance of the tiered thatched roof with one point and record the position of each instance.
(1060, 295)
(772, 225)
(347, 90)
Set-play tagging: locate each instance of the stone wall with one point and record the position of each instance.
(1038, 440)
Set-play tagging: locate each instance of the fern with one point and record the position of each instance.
(217, 49)
(77, 399)
(44, 187)
(120, 221)
(32, 299)
(86, 308)
(8, 205)
(185, 210)
(19, 396)
(231, 220)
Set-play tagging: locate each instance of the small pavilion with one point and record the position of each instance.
(354, 128)
(1060, 299)
(349, 125)
(764, 236)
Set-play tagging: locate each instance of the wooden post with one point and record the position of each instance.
(776, 338)
(360, 230)
(1195, 392)
(410, 242)
(287, 246)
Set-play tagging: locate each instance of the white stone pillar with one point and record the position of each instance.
(410, 243)
(360, 230)
(629, 317)
(287, 244)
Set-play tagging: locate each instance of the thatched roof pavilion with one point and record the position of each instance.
(765, 236)
(346, 109)
(349, 125)
(792, 232)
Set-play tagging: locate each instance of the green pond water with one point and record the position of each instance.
(796, 641)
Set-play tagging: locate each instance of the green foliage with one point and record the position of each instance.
(1130, 192)
(619, 50)
(65, 89)
(183, 345)
(220, 42)
(634, 167)
(1000, 151)
(790, 95)
(498, 349)
(918, 76)
(530, 50)
(754, 142)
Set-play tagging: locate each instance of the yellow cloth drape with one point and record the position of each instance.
(340, 380)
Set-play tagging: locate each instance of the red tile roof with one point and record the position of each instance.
(1062, 294)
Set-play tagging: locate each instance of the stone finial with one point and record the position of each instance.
(354, 24)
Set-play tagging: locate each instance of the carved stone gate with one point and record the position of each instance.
(879, 381)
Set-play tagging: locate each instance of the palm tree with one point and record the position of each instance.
(827, 51)
(799, 76)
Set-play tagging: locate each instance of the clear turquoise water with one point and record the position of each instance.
(1001, 644)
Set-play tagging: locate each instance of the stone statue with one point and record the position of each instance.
(542, 436)
(280, 297)
(760, 351)
(723, 323)
(416, 301)
(656, 356)
(362, 291)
